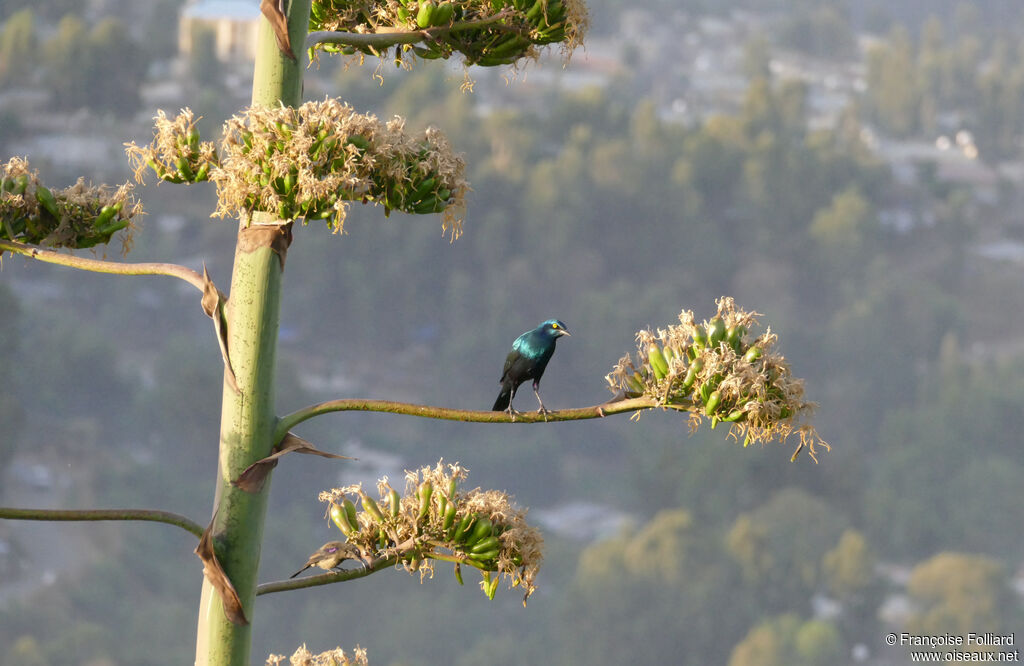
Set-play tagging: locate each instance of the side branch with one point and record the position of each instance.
(328, 578)
(102, 266)
(289, 421)
(387, 38)
(150, 515)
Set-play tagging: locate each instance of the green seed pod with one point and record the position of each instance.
(752, 354)
(464, 524)
(339, 519)
(449, 517)
(184, 168)
(359, 141)
(481, 530)
(396, 502)
(425, 15)
(700, 339)
(690, 378)
(458, 573)
(45, 198)
(443, 14)
(370, 506)
(658, 362)
(107, 230)
(712, 402)
(425, 491)
(423, 189)
(483, 545)
(735, 416)
(106, 214)
(350, 513)
(734, 336)
(484, 555)
(716, 331)
(633, 383)
(492, 588)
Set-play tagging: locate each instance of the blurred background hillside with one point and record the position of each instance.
(852, 169)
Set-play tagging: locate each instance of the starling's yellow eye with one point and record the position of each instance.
(554, 326)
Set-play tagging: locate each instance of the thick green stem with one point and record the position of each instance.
(247, 415)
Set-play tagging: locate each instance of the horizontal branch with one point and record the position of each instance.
(393, 37)
(149, 515)
(327, 578)
(289, 421)
(102, 266)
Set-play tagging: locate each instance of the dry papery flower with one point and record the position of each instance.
(80, 216)
(714, 370)
(335, 657)
(436, 520)
(311, 162)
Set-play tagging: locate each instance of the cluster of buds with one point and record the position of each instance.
(335, 657)
(79, 216)
(311, 162)
(485, 32)
(176, 154)
(435, 520)
(715, 370)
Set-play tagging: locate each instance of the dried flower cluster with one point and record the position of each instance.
(435, 520)
(485, 32)
(714, 370)
(176, 154)
(335, 657)
(311, 162)
(79, 216)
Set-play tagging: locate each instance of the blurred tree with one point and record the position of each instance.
(120, 65)
(18, 48)
(959, 593)
(844, 232)
(757, 58)
(824, 32)
(102, 69)
(203, 64)
(786, 640)
(893, 94)
(780, 545)
(69, 64)
(662, 579)
(12, 415)
(849, 568)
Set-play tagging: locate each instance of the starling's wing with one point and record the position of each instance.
(510, 360)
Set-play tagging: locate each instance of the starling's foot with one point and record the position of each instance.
(512, 413)
(543, 411)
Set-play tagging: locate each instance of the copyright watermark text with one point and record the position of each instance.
(981, 647)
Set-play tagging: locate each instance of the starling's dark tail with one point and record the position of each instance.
(501, 404)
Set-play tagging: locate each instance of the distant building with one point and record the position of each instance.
(234, 24)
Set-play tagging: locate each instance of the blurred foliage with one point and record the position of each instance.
(17, 48)
(958, 591)
(786, 640)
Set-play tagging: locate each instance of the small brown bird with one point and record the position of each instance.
(331, 555)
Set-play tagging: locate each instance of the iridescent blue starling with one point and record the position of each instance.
(529, 357)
